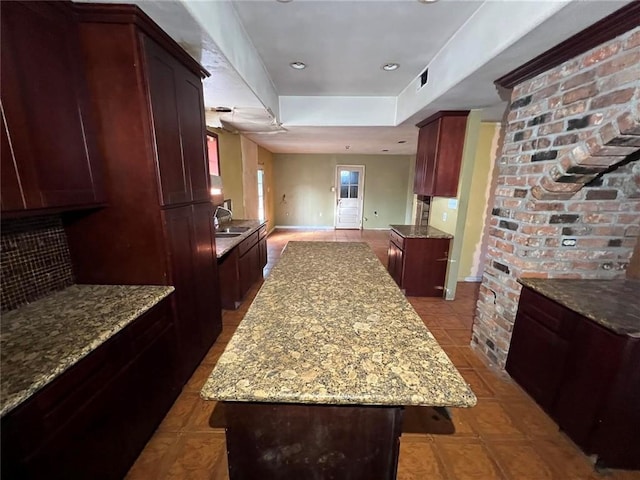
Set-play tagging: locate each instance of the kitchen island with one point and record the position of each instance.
(316, 375)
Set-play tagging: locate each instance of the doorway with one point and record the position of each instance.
(349, 196)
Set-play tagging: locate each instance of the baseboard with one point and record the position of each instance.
(473, 279)
(303, 227)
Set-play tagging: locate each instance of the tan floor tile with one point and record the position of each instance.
(462, 425)
(474, 358)
(531, 419)
(451, 322)
(197, 456)
(441, 336)
(521, 461)
(492, 421)
(502, 385)
(200, 418)
(418, 461)
(154, 458)
(460, 336)
(199, 377)
(467, 460)
(456, 355)
(179, 413)
(212, 356)
(565, 457)
(227, 333)
(478, 386)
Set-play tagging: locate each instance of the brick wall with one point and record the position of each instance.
(568, 170)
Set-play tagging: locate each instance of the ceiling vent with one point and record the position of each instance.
(424, 77)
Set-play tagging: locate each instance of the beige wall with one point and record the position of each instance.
(471, 259)
(303, 196)
(231, 169)
(249, 177)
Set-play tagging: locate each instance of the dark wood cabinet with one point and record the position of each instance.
(418, 265)
(439, 155)
(579, 372)
(242, 267)
(49, 153)
(95, 418)
(158, 227)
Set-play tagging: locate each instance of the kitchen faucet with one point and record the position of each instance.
(216, 223)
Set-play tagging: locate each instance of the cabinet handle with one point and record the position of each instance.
(442, 259)
(439, 287)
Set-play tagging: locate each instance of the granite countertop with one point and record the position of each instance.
(614, 304)
(330, 326)
(41, 340)
(420, 231)
(225, 245)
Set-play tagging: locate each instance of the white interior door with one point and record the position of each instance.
(349, 196)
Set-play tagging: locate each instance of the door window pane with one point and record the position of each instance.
(344, 192)
(353, 191)
(354, 178)
(344, 178)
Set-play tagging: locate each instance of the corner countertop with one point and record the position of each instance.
(330, 326)
(225, 245)
(41, 340)
(614, 304)
(420, 231)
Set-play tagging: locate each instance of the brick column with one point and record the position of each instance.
(568, 174)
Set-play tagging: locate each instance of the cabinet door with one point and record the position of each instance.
(163, 89)
(425, 159)
(11, 197)
(262, 259)
(178, 119)
(394, 265)
(46, 109)
(592, 363)
(192, 134)
(536, 359)
(209, 313)
(248, 269)
(448, 159)
(181, 242)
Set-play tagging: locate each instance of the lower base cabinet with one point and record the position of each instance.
(418, 265)
(583, 375)
(241, 268)
(93, 421)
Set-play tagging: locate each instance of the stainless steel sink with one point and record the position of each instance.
(233, 229)
(223, 234)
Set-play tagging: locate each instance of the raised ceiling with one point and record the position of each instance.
(343, 97)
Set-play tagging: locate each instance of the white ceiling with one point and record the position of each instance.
(343, 97)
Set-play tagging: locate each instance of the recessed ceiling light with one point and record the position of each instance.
(223, 109)
(385, 150)
(402, 141)
(284, 1)
(420, 1)
(390, 67)
(297, 65)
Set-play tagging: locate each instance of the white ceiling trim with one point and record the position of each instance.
(337, 111)
(220, 21)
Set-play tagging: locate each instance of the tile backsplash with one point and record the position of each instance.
(34, 260)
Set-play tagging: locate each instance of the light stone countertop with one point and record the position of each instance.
(614, 304)
(41, 340)
(225, 245)
(330, 326)
(420, 231)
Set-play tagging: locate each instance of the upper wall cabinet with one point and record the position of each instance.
(49, 154)
(439, 156)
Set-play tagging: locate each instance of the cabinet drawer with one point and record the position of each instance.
(547, 312)
(247, 243)
(262, 232)
(149, 326)
(397, 239)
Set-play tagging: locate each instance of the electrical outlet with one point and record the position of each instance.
(568, 242)
(444, 216)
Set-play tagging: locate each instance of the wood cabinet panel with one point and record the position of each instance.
(418, 265)
(439, 155)
(163, 86)
(51, 135)
(95, 418)
(582, 374)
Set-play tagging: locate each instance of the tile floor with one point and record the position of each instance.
(506, 436)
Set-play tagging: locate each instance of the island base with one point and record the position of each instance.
(294, 441)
